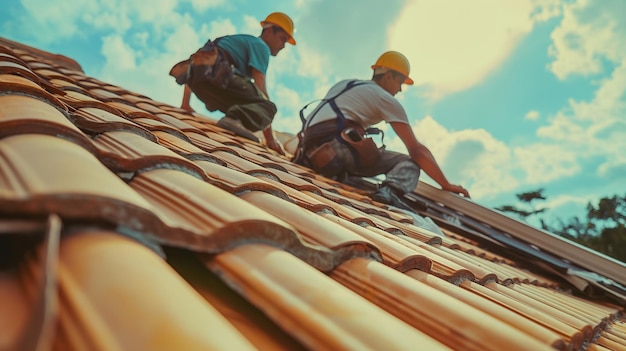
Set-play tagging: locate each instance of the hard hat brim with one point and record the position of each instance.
(407, 80)
(291, 40)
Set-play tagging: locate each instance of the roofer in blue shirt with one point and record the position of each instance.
(243, 97)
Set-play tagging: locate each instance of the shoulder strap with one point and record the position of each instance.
(305, 123)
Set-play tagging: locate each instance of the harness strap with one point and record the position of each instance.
(341, 122)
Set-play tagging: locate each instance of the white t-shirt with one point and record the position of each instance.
(366, 104)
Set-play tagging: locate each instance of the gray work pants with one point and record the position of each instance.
(401, 172)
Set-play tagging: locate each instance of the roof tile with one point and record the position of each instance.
(320, 313)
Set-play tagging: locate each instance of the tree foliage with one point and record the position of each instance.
(603, 229)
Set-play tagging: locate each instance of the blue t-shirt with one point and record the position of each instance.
(247, 52)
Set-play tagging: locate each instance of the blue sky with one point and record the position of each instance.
(510, 96)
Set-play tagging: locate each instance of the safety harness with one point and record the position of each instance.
(339, 127)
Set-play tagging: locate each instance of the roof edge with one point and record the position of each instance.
(58, 59)
(549, 242)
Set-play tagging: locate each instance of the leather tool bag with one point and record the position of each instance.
(209, 64)
(322, 158)
(366, 149)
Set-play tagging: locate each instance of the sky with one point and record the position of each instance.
(510, 95)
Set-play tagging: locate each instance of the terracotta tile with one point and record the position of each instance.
(480, 274)
(130, 152)
(156, 125)
(200, 140)
(314, 228)
(130, 111)
(365, 207)
(439, 315)
(409, 229)
(609, 344)
(49, 73)
(184, 116)
(180, 143)
(9, 57)
(226, 140)
(105, 95)
(317, 311)
(496, 310)
(66, 84)
(205, 218)
(477, 264)
(233, 160)
(346, 212)
(133, 98)
(16, 309)
(259, 160)
(293, 181)
(146, 106)
(177, 123)
(139, 282)
(89, 83)
(78, 100)
(236, 182)
(300, 198)
(11, 84)
(96, 120)
(394, 254)
(8, 67)
(41, 65)
(570, 334)
(565, 317)
(201, 123)
(578, 309)
(44, 174)
(251, 322)
(23, 114)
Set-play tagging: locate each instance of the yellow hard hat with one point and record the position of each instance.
(394, 60)
(283, 21)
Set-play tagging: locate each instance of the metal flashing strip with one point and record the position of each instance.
(548, 242)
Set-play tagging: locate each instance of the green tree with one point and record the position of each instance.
(603, 229)
(526, 198)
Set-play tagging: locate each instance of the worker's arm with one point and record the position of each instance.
(424, 158)
(268, 133)
(186, 98)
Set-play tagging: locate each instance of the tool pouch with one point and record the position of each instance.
(365, 148)
(209, 64)
(324, 160)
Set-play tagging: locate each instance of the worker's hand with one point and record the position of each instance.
(457, 189)
(275, 145)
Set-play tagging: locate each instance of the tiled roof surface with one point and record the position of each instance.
(130, 224)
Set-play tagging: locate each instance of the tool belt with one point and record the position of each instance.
(210, 64)
(320, 154)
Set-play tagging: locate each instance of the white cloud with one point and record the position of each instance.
(532, 115)
(453, 45)
(589, 33)
(221, 27)
(542, 163)
(120, 56)
(63, 16)
(472, 158)
(203, 5)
